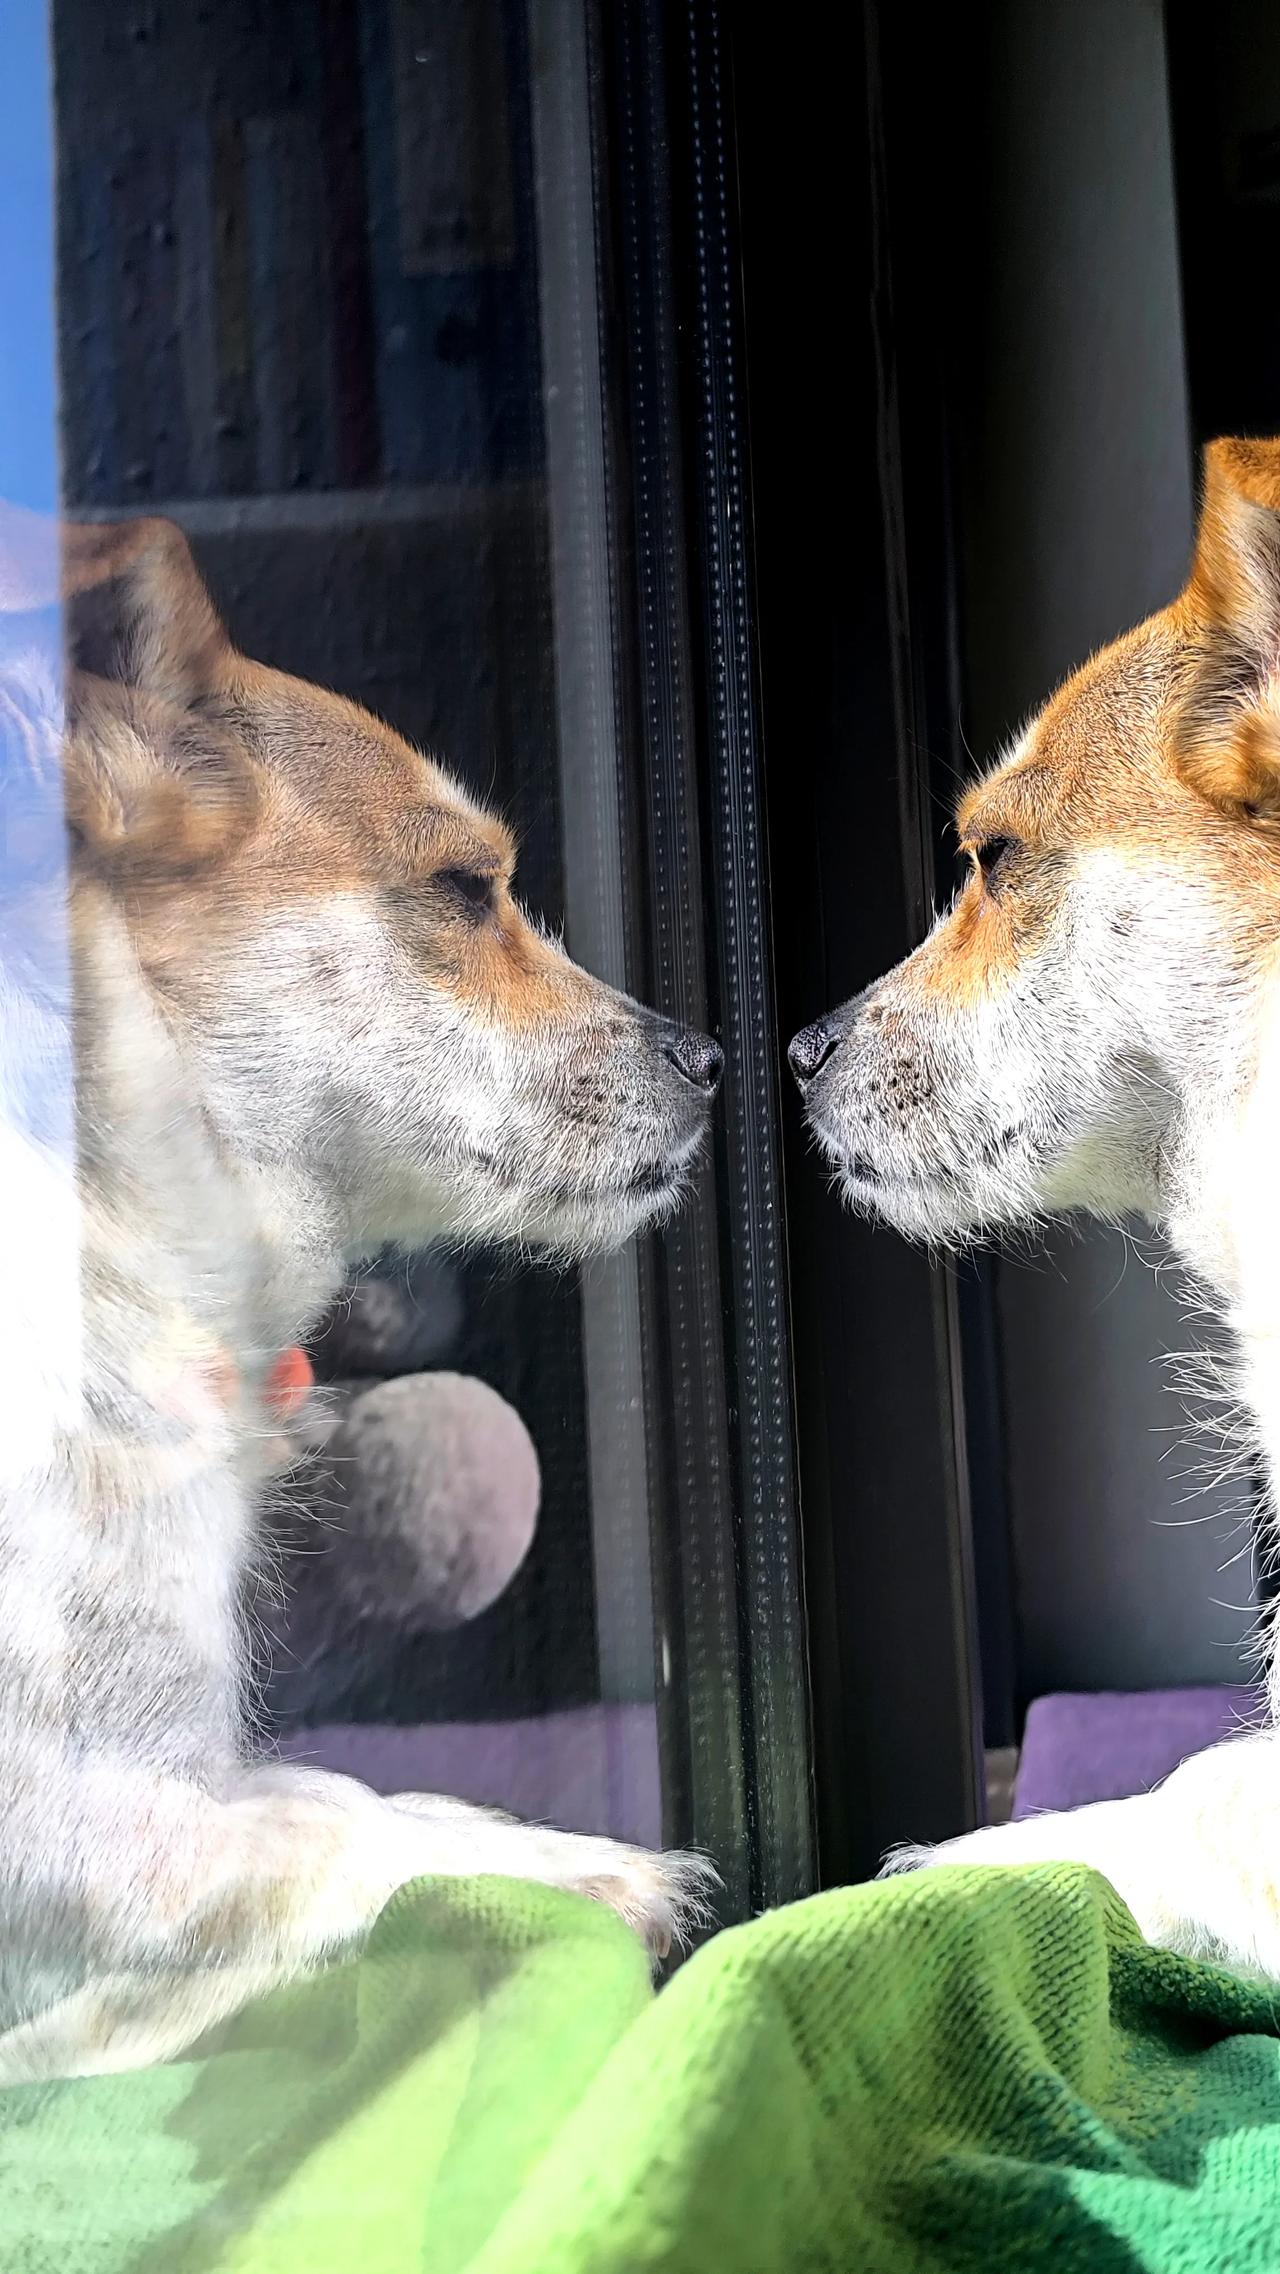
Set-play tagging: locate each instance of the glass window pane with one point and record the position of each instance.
(390, 360)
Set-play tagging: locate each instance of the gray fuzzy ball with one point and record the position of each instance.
(431, 1497)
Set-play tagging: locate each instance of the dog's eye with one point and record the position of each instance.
(470, 886)
(990, 853)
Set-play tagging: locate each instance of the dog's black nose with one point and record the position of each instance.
(811, 1048)
(696, 1056)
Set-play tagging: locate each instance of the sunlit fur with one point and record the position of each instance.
(272, 1018)
(1095, 1025)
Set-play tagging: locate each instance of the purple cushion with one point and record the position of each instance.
(586, 1768)
(1108, 1744)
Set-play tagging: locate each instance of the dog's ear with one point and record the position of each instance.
(155, 781)
(1227, 734)
(152, 791)
(133, 607)
(136, 610)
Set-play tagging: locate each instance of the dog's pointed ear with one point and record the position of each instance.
(137, 611)
(152, 791)
(1227, 734)
(155, 781)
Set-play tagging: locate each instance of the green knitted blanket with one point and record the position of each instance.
(968, 2069)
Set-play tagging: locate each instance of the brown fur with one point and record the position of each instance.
(1166, 744)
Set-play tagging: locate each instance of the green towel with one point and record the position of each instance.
(968, 2069)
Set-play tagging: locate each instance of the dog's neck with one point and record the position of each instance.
(196, 1265)
(153, 1282)
(1216, 1202)
(1223, 1223)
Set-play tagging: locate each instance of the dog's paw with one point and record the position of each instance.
(1036, 1839)
(1127, 1840)
(1197, 1861)
(664, 1896)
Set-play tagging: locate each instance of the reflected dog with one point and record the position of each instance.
(269, 1005)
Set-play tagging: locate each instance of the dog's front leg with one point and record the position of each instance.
(230, 1897)
(1197, 1860)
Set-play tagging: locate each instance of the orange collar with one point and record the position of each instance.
(288, 1381)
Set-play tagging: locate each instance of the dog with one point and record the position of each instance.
(268, 1005)
(1094, 1025)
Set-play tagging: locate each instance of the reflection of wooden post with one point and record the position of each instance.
(591, 796)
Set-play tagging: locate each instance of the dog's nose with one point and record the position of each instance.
(696, 1056)
(811, 1048)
